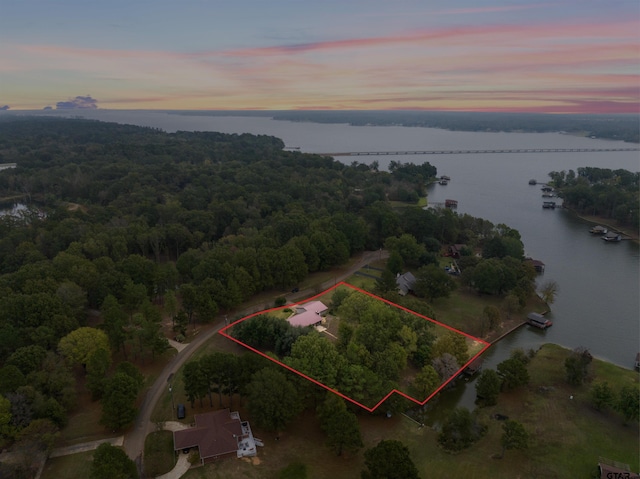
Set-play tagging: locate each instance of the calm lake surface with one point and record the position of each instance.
(597, 306)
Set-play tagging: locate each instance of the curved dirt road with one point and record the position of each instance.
(134, 439)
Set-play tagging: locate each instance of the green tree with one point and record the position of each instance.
(426, 381)
(511, 305)
(317, 357)
(514, 436)
(113, 322)
(28, 358)
(195, 382)
(433, 282)
(97, 367)
(5, 416)
(386, 282)
(273, 399)
(460, 430)
(601, 396)
(77, 346)
(548, 291)
(125, 367)
(118, 401)
(452, 343)
(110, 462)
(488, 387)
(513, 373)
(389, 459)
(577, 366)
(491, 314)
(407, 247)
(628, 403)
(340, 425)
(395, 264)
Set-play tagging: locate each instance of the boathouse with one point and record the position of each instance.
(537, 264)
(538, 320)
(549, 204)
(455, 250)
(474, 367)
(450, 203)
(598, 230)
(612, 236)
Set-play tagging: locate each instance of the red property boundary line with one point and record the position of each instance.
(223, 332)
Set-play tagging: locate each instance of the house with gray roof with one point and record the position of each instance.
(405, 282)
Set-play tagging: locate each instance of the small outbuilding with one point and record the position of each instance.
(405, 282)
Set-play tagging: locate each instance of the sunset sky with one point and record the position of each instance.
(564, 56)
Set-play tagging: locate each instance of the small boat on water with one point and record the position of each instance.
(549, 204)
(533, 182)
(598, 230)
(443, 182)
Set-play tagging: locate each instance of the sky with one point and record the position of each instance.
(564, 56)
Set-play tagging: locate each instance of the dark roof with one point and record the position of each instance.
(406, 282)
(215, 434)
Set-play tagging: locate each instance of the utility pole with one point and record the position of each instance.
(173, 408)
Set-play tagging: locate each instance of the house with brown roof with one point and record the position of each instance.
(217, 434)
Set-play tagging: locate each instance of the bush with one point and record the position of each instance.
(460, 430)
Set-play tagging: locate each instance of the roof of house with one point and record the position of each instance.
(308, 314)
(215, 434)
(405, 282)
(607, 471)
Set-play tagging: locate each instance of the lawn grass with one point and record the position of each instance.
(74, 466)
(159, 456)
(567, 436)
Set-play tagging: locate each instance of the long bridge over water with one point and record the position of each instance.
(478, 152)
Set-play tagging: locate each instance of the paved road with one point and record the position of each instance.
(85, 446)
(134, 439)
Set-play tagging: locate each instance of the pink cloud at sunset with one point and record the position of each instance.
(551, 65)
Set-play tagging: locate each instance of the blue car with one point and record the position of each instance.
(182, 412)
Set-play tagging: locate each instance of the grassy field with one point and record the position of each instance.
(159, 457)
(75, 466)
(567, 436)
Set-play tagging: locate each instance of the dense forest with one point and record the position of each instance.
(614, 127)
(601, 192)
(123, 224)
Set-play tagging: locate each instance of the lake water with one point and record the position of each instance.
(597, 306)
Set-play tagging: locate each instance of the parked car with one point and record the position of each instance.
(182, 412)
